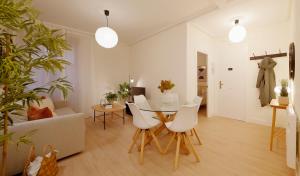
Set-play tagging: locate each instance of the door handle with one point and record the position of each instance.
(220, 84)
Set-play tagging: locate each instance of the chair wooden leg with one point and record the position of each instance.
(135, 137)
(170, 142)
(177, 151)
(191, 132)
(197, 136)
(156, 141)
(142, 147)
(192, 147)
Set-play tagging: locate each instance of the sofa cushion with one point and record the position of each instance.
(34, 113)
(45, 102)
(64, 111)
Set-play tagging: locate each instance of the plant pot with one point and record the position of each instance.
(283, 100)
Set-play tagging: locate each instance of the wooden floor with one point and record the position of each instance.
(230, 148)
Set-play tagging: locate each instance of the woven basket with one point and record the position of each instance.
(49, 164)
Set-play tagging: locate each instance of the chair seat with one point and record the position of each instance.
(178, 130)
(150, 123)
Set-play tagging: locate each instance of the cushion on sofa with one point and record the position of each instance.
(45, 102)
(34, 113)
(63, 111)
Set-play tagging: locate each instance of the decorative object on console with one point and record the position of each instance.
(165, 85)
(106, 36)
(283, 99)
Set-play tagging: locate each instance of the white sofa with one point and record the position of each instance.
(65, 132)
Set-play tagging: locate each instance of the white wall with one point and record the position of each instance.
(161, 57)
(270, 38)
(95, 70)
(198, 41)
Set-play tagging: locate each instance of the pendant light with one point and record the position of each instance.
(106, 36)
(237, 33)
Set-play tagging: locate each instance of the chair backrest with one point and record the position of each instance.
(141, 101)
(185, 118)
(198, 100)
(138, 117)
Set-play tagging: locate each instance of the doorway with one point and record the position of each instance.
(202, 82)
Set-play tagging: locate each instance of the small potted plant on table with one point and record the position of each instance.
(111, 97)
(283, 99)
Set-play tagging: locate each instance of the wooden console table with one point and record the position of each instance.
(115, 108)
(275, 105)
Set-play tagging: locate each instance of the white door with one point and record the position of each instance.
(231, 81)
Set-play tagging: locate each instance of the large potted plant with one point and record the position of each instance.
(123, 92)
(26, 45)
(283, 99)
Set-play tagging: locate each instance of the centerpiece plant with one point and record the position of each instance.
(26, 45)
(165, 85)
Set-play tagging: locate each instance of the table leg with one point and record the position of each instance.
(123, 117)
(272, 128)
(94, 115)
(104, 121)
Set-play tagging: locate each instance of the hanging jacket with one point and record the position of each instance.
(266, 81)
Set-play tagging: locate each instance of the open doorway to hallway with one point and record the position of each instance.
(202, 85)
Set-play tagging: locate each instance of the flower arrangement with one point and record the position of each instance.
(166, 85)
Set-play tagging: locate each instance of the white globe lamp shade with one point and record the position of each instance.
(106, 37)
(237, 34)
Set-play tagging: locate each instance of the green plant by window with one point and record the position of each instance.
(284, 88)
(165, 85)
(124, 90)
(111, 97)
(38, 48)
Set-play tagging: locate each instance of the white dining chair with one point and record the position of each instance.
(144, 122)
(183, 122)
(141, 101)
(197, 100)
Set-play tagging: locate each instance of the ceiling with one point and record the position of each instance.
(252, 14)
(135, 20)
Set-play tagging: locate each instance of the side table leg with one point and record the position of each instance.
(94, 115)
(104, 121)
(273, 128)
(123, 117)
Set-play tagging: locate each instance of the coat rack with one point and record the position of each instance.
(268, 55)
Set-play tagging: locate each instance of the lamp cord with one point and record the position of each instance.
(106, 21)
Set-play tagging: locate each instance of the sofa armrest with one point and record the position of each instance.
(65, 133)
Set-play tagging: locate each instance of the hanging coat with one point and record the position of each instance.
(266, 81)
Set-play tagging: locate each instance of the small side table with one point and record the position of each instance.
(275, 105)
(116, 108)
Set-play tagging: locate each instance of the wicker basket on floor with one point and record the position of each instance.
(49, 164)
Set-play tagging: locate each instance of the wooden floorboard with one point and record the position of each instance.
(230, 148)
